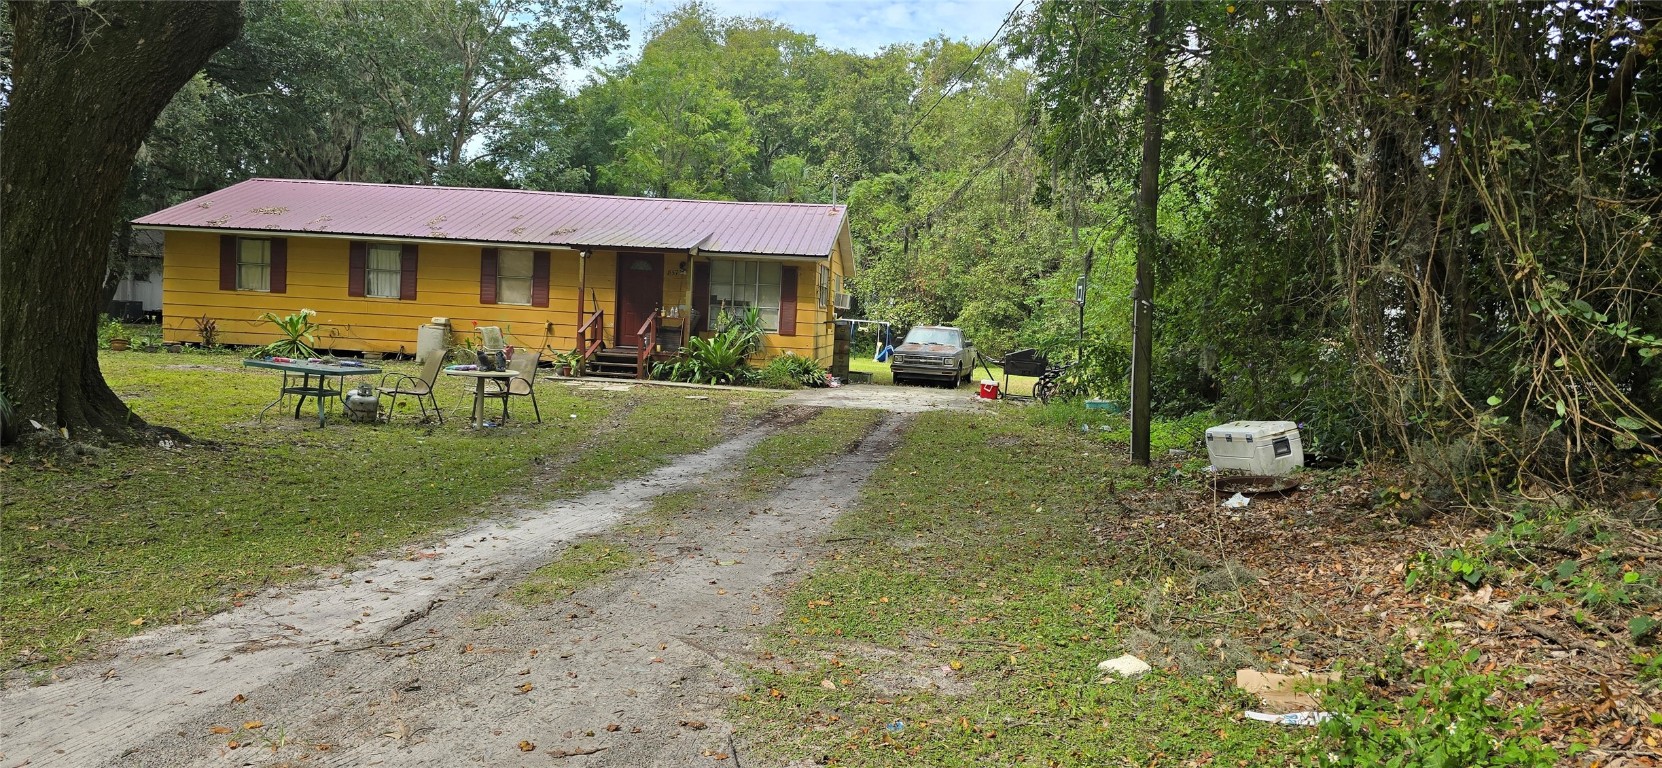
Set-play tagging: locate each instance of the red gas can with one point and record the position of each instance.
(989, 390)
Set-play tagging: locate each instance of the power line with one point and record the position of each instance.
(945, 89)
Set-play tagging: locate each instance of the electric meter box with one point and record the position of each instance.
(1258, 447)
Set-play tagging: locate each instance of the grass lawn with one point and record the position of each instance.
(124, 538)
(962, 617)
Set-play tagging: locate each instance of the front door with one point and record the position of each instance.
(640, 292)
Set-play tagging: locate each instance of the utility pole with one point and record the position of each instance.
(1148, 234)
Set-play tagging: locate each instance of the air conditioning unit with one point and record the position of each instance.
(843, 301)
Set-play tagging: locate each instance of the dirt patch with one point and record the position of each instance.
(893, 672)
(789, 416)
(1319, 576)
(419, 660)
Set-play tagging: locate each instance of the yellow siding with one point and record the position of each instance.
(810, 320)
(447, 285)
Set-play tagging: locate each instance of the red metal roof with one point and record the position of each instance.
(510, 216)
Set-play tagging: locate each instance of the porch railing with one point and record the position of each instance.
(649, 342)
(591, 335)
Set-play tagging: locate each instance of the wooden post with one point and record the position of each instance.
(582, 286)
(687, 306)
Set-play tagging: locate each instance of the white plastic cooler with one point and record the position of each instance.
(1258, 447)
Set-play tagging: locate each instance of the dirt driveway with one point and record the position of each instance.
(417, 660)
(889, 398)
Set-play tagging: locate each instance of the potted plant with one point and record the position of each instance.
(115, 335)
(568, 363)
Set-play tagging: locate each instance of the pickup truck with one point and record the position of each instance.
(933, 353)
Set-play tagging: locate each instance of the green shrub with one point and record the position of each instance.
(743, 330)
(1452, 566)
(718, 360)
(1448, 720)
(791, 372)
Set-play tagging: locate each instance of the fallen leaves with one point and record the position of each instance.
(526, 746)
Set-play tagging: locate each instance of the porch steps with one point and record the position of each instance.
(614, 363)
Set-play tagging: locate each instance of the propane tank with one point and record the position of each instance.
(362, 404)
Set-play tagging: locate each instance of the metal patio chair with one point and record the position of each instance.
(524, 366)
(421, 388)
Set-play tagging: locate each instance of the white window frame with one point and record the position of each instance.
(260, 260)
(504, 278)
(824, 284)
(371, 271)
(743, 274)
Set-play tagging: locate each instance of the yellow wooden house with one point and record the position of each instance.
(593, 273)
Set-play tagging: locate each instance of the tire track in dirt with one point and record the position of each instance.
(412, 661)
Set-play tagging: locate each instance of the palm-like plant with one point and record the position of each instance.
(718, 360)
(299, 334)
(744, 330)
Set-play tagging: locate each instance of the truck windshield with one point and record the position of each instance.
(948, 336)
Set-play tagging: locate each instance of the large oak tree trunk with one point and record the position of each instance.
(88, 82)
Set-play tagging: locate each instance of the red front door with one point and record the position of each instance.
(640, 292)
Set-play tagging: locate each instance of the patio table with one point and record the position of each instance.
(306, 387)
(479, 378)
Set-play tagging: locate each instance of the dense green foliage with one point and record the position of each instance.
(791, 372)
(1422, 227)
(1425, 228)
(1447, 720)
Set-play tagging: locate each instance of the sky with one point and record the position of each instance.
(863, 26)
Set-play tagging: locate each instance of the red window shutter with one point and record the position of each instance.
(227, 262)
(279, 265)
(539, 279)
(407, 273)
(357, 254)
(487, 276)
(787, 301)
(701, 295)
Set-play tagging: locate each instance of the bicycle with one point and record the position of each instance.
(1054, 384)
